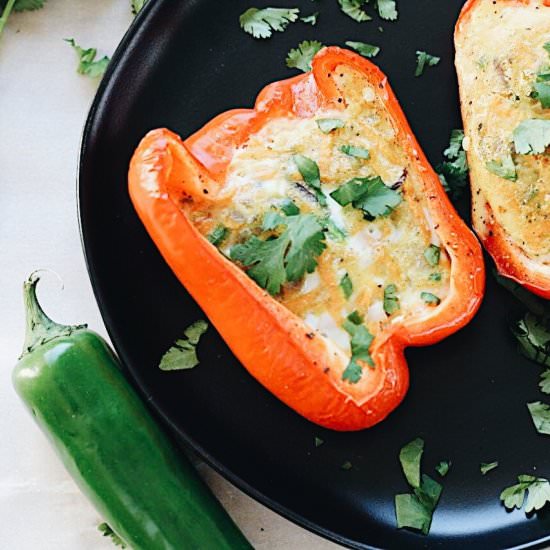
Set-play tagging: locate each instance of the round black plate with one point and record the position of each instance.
(180, 64)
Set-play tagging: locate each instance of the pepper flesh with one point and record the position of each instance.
(511, 261)
(150, 496)
(270, 341)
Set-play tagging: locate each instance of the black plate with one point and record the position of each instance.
(179, 65)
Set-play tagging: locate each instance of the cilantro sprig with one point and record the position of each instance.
(532, 136)
(261, 23)
(537, 490)
(285, 256)
(453, 172)
(370, 195)
(301, 57)
(87, 63)
(183, 354)
(423, 60)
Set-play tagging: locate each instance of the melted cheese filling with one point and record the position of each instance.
(388, 250)
(500, 57)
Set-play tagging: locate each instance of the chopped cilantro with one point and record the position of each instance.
(353, 9)
(432, 255)
(262, 23)
(443, 468)
(310, 19)
(436, 276)
(286, 257)
(540, 414)
(327, 125)
(453, 172)
(107, 531)
(318, 441)
(17, 5)
(183, 354)
(361, 339)
(300, 57)
(541, 91)
(364, 49)
(532, 136)
(538, 490)
(387, 9)
(137, 5)
(332, 230)
(354, 151)
(347, 465)
(486, 467)
(289, 208)
(416, 510)
(391, 301)
(218, 235)
(533, 335)
(544, 383)
(370, 195)
(87, 62)
(310, 173)
(410, 456)
(424, 60)
(504, 168)
(430, 299)
(346, 285)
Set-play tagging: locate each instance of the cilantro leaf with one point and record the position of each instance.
(430, 299)
(544, 383)
(261, 23)
(28, 5)
(364, 49)
(183, 354)
(318, 441)
(435, 276)
(504, 168)
(424, 60)
(346, 285)
(486, 467)
(453, 172)
(387, 9)
(289, 208)
(443, 468)
(533, 336)
(391, 301)
(410, 456)
(332, 230)
(310, 19)
(87, 63)
(353, 9)
(357, 152)
(541, 91)
(218, 235)
(532, 136)
(415, 511)
(284, 258)
(309, 170)
(361, 339)
(107, 531)
(432, 255)
(540, 414)
(538, 490)
(300, 57)
(137, 5)
(327, 125)
(370, 195)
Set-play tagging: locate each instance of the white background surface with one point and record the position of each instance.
(43, 105)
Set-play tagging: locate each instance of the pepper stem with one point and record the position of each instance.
(39, 327)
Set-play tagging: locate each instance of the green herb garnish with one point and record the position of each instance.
(218, 235)
(327, 125)
(443, 468)
(87, 62)
(183, 354)
(486, 467)
(286, 257)
(353, 9)
(435, 276)
(346, 285)
(432, 255)
(391, 301)
(370, 195)
(430, 299)
(310, 19)
(364, 49)
(532, 136)
(354, 151)
(300, 57)
(424, 60)
(544, 383)
(137, 5)
(261, 23)
(361, 339)
(504, 168)
(309, 170)
(540, 414)
(453, 172)
(538, 490)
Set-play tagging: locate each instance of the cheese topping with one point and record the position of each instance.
(387, 250)
(499, 60)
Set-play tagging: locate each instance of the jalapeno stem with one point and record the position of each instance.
(39, 327)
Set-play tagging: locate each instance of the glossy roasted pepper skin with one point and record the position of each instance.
(148, 493)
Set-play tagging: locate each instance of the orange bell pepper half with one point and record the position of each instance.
(274, 344)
